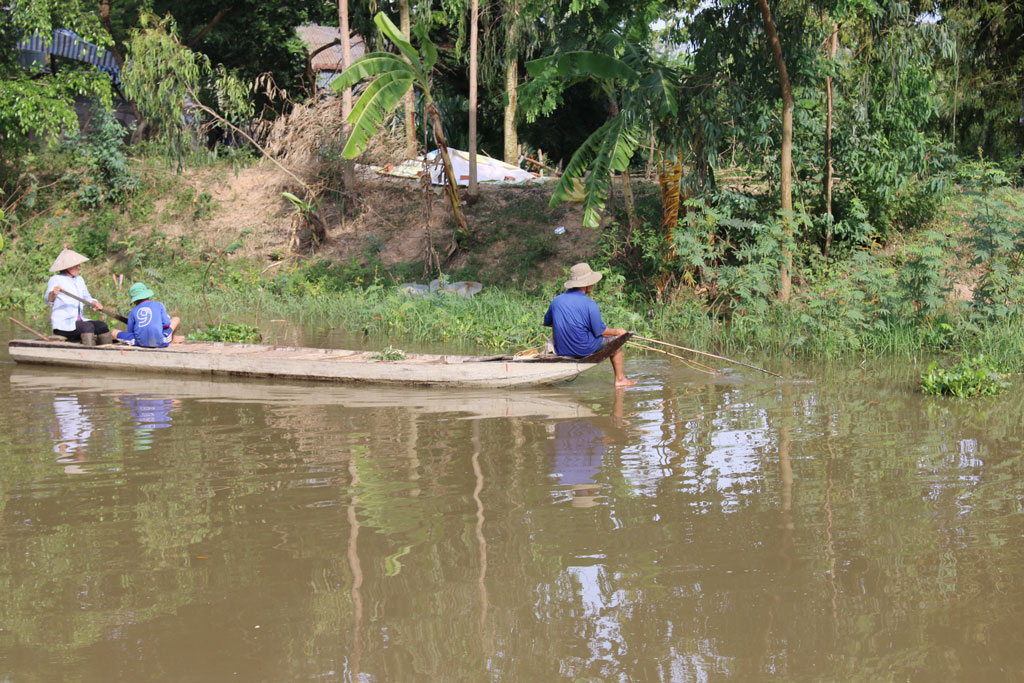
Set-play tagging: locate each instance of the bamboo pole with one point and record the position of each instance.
(21, 324)
(709, 355)
(692, 363)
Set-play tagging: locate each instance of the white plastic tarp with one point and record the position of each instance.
(488, 170)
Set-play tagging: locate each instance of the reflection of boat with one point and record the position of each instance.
(548, 402)
(337, 365)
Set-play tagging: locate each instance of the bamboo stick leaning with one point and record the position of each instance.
(691, 363)
(710, 355)
(21, 324)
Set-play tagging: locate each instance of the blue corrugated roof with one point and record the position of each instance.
(66, 43)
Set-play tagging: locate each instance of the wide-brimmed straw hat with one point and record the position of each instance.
(139, 291)
(581, 275)
(67, 259)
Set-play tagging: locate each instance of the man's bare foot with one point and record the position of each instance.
(625, 382)
(178, 338)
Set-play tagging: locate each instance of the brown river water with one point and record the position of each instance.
(837, 527)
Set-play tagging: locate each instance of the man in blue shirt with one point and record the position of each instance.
(148, 323)
(575, 321)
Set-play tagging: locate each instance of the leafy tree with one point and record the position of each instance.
(40, 105)
(887, 155)
(169, 83)
(105, 174)
(983, 77)
(646, 95)
(247, 36)
(608, 149)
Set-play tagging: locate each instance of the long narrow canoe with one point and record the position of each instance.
(332, 365)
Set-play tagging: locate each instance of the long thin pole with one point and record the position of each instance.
(21, 324)
(709, 355)
(692, 363)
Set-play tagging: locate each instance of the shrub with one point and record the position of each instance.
(106, 176)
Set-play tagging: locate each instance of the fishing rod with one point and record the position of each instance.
(692, 363)
(710, 355)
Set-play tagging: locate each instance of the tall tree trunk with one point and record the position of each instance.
(452, 187)
(786, 162)
(409, 101)
(832, 50)
(627, 195)
(512, 94)
(473, 26)
(348, 168)
(956, 86)
(511, 89)
(140, 123)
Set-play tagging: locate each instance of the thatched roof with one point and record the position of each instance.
(316, 36)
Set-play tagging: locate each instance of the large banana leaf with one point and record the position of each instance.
(427, 49)
(368, 66)
(658, 90)
(394, 34)
(377, 101)
(581, 64)
(607, 150)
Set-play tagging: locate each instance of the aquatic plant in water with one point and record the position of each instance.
(389, 353)
(977, 376)
(228, 332)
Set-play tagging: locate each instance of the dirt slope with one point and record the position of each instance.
(245, 213)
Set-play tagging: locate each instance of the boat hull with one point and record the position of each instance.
(330, 365)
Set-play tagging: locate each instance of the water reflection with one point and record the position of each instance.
(470, 403)
(737, 529)
(73, 429)
(578, 449)
(577, 458)
(149, 413)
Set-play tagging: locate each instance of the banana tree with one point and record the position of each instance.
(641, 95)
(392, 77)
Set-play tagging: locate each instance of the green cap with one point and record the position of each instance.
(139, 291)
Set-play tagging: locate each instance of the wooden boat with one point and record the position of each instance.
(332, 365)
(466, 403)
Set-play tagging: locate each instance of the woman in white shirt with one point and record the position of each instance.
(66, 313)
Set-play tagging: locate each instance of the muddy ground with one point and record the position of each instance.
(245, 213)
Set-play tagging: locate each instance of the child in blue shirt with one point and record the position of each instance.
(148, 323)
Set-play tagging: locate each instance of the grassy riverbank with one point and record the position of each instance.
(819, 323)
(956, 286)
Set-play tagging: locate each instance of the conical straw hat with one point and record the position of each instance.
(67, 259)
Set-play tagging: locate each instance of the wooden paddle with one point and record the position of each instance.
(115, 314)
